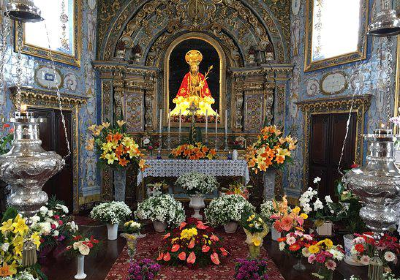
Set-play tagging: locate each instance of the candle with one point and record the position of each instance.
(206, 122)
(160, 129)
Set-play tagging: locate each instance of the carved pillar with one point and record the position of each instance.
(118, 83)
(269, 93)
(150, 103)
(237, 106)
(134, 104)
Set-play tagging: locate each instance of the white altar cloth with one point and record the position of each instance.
(178, 167)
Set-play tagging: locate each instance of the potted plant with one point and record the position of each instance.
(116, 150)
(227, 210)
(256, 229)
(112, 214)
(156, 189)
(81, 247)
(251, 269)
(196, 186)
(145, 269)
(193, 244)
(162, 210)
(131, 232)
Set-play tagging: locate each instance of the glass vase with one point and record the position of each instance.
(375, 268)
(325, 273)
(299, 266)
(254, 251)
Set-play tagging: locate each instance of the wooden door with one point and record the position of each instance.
(326, 140)
(53, 139)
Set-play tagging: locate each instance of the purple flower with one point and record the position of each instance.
(145, 269)
(251, 269)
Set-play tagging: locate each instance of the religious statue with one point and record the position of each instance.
(194, 89)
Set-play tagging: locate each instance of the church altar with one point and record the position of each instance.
(178, 167)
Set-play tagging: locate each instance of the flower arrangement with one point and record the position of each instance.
(227, 208)
(145, 269)
(366, 245)
(256, 229)
(192, 244)
(163, 208)
(267, 210)
(114, 212)
(238, 142)
(5, 141)
(296, 243)
(115, 147)
(270, 151)
(23, 275)
(197, 183)
(287, 219)
(83, 245)
(132, 227)
(157, 189)
(14, 232)
(238, 188)
(250, 270)
(326, 255)
(193, 152)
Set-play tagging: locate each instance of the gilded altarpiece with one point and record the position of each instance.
(136, 37)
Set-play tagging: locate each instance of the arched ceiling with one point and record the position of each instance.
(154, 24)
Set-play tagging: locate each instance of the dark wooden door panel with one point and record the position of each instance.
(319, 152)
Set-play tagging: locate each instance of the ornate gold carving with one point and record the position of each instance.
(359, 105)
(106, 100)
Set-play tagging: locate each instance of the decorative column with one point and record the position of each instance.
(118, 83)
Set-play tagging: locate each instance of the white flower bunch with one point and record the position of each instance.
(114, 212)
(197, 183)
(267, 210)
(163, 208)
(227, 208)
(23, 275)
(310, 202)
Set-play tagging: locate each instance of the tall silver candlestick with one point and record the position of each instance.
(160, 132)
(169, 130)
(216, 131)
(206, 127)
(226, 131)
(180, 127)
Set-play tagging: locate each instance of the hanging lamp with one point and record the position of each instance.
(386, 22)
(23, 11)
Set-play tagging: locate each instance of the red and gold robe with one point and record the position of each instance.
(184, 90)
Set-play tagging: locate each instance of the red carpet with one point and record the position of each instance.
(148, 248)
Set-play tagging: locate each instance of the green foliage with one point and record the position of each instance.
(10, 213)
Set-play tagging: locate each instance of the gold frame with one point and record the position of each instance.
(360, 106)
(358, 55)
(346, 85)
(48, 99)
(74, 60)
(222, 82)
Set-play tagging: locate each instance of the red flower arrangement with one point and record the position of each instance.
(296, 243)
(193, 244)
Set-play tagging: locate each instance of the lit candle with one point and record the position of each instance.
(206, 122)
(23, 108)
(160, 129)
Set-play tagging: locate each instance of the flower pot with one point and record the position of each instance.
(325, 229)
(197, 203)
(269, 184)
(159, 226)
(112, 231)
(81, 267)
(231, 227)
(254, 251)
(275, 235)
(348, 244)
(235, 155)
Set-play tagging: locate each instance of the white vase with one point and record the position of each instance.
(197, 203)
(235, 155)
(159, 226)
(348, 244)
(325, 229)
(112, 231)
(231, 227)
(275, 235)
(81, 267)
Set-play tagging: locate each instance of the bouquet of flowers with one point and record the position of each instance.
(238, 188)
(251, 269)
(14, 232)
(192, 244)
(366, 245)
(287, 219)
(163, 208)
(227, 208)
(132, 227)
(5, 141)
(296, 243)
(145, 269)
(197, 183)
(83, 245)
(157, 189)
(270, 151)
(116, 148)
(256, 229)
(23, 275)
(238, 143)
(267, 210)
(326, 255)
(114, 212)
(194, 152)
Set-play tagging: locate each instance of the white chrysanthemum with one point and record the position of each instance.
(43, 210)
(390, 256)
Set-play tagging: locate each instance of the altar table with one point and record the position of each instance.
(178, 167)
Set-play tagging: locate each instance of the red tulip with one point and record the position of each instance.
(175, 248)
(167, 257)
(205, 248)
(182, 256)
(215, 258)
(192, 258)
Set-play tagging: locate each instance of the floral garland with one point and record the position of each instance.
(192, 244)
(115, 147)
(114, 212)
(270, 151)
(163, 208)
(197, 183)
(193, 152)
(227, 208)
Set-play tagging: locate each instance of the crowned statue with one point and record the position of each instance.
(194, 90)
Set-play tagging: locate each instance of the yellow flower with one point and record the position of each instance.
(283, 152)
(328, 243)
(313, 249)
(304, 216)
(7, 226)
(296, 210)
(36, 239)
(20, 225)
(105, 124)
(107, 147)
(121, 123)
(111, 158)
(189, 233)
(92, 128)
(256, 240)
